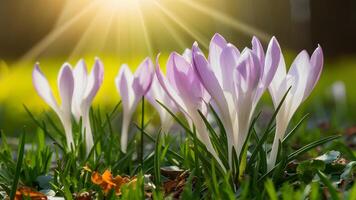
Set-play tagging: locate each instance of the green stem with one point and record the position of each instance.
(142, 133)
(142, 128)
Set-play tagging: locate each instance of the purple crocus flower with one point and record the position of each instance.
(236, 82)
(302, 78)
(157, 93)
(66, 88)
(132, 88)
(85, 88)
(184, 88)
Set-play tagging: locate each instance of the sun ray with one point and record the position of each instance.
(62, 16)
(53, 35)
(177, 38)
(203, 40)
(96, 22)
(223, 18)
(145, 32)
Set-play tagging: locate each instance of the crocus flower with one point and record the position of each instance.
(132, 88)
(66, 88)
(85, 88)
(185, 89)
(236, 82)
(157, 93)
(302, 78)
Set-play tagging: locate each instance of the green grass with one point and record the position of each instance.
(296, 174)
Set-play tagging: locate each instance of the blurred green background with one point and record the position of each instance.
(126, 31)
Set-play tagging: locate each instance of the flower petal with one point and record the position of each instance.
(80, 84)
(273, 56)
(143, 77)
(187, 82)
(248, 72)
(208, 78)
(217, 44)
(228, 61)
(66, 87)
(299, 70)
(270, 66)
(43, 88)
(168, 88)
(95, 80)
(317, 62)
(124, 86)
(187, 54)
(258, 49)
(157, 93)
(277, 81)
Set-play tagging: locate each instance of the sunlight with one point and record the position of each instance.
(99, 27)
(120, 5)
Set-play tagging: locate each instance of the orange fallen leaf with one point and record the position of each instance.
(29, 192)
(107, 182)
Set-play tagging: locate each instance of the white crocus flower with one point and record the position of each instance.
(301, 78)
(66, 88)
(132, 88)
(86, 87)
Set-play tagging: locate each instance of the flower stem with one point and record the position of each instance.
(142, 128)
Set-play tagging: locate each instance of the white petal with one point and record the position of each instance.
(187, 54)
(124, 86)
(300, 71)
(43, 88)
(277, 81)
(66, 87)
(217, 44)
(317, 62)
(80, 84)
(95, 80)
(171, 92)
(258, 49)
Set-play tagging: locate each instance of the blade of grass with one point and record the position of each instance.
(219, 145)
(271, 190)
(187, 129)
(181, 123)
(291, 133)
(219, 122)
(112, 114)
(311, 146)
(329, 185)
(175, 154)
(266, 133)
(157, 160)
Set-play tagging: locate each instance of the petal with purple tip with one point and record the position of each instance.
(258, 49)
(217, 44)
(317, 62)
(43, 88)
(143, 77)
(80, 84)
(95, 80)
(228, 61)
(66, 87)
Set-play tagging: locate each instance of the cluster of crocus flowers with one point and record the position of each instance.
(232, 81)
(77, 90)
